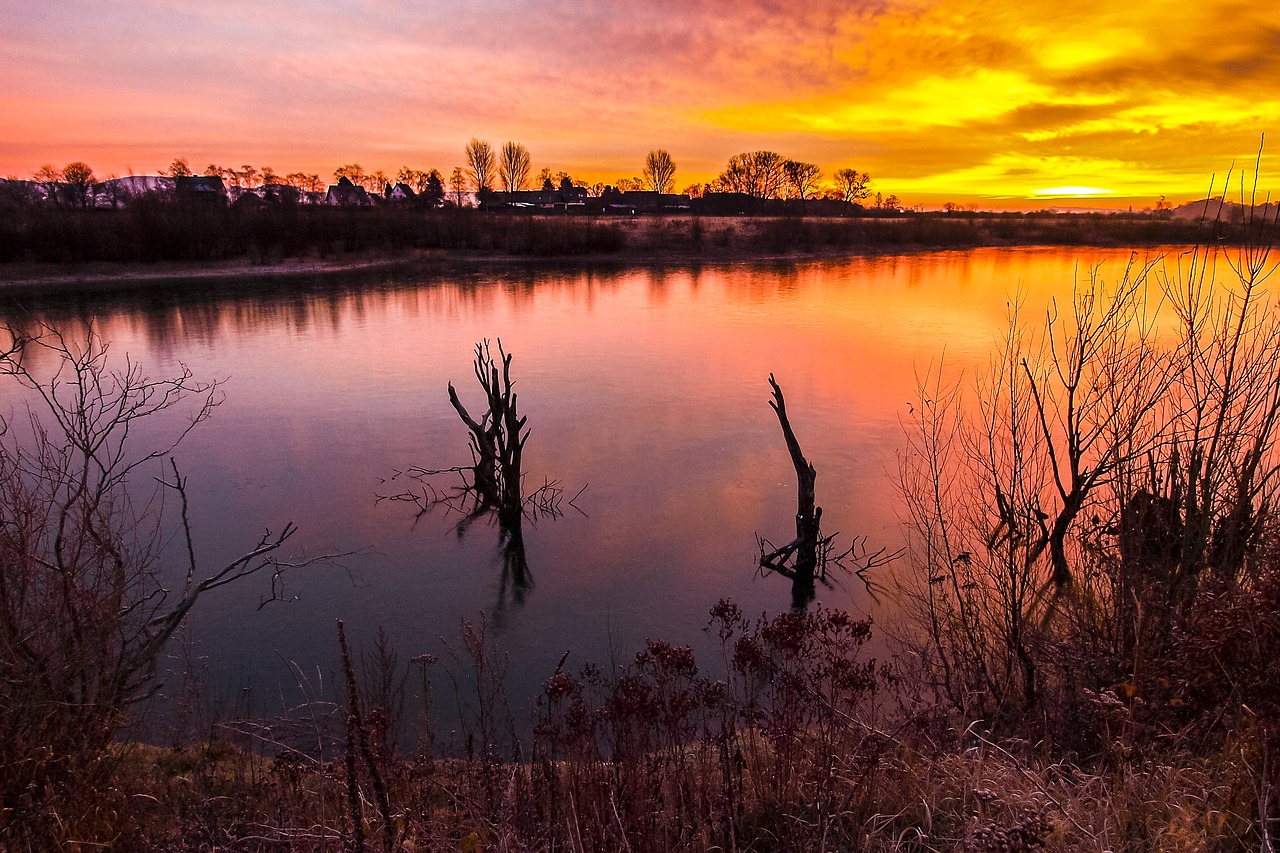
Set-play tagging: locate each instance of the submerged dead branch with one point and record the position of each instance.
(492, 486)
(807, 558)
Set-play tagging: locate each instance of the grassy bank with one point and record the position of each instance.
(792, 741)
(151, 232)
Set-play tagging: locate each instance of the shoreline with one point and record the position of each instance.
(105, 276)
(103, 253)
(39, 276)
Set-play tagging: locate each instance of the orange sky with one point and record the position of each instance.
(997, 102)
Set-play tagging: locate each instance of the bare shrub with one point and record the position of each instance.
(1114, 471)
(658, 756)
(85, 601)
(997, 490)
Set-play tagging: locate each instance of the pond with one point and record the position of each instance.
(647, 398)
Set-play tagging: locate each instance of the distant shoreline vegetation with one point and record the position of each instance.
(199, 224)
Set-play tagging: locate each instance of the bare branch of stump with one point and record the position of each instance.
(492, 487)
(806, 558)
(804, 547)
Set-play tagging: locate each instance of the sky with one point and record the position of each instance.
(998, 103)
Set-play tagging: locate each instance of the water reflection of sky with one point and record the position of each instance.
(648, 387)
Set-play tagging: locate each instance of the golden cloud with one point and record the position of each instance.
(931, 96)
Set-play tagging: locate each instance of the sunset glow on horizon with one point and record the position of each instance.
(991, 102)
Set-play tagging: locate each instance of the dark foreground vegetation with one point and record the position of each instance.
(158, 229)
(1087, 655)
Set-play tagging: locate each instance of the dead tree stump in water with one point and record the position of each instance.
(497, 444)
(805, 559)
(494, 481)
(808, 516)
(492, 485)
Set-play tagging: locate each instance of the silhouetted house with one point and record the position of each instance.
(831, 207)
(236, 193)
(610, 201)
(248, 198)
(202, 189)
(650, 202)
(540, 199)
(725, 204)
(573, 196)
(400, 192)
(544, 199)
(280, 194)
(346, 194)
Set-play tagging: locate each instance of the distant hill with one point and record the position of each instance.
(1227, 211)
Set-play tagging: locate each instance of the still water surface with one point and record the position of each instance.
(648, 387)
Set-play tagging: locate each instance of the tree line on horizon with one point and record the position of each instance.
(761, 175)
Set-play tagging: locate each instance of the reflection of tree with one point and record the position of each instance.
(492, 486)
(515, 563)
(207, 315)
(807, 558)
